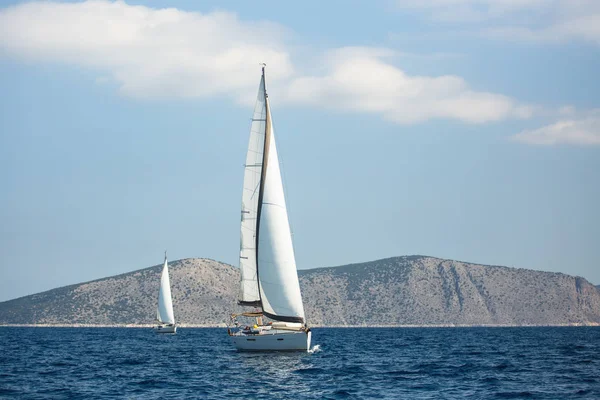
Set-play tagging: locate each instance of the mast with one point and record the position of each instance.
(263, 175)
(253, 176)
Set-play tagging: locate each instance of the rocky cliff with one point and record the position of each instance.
(415, 290)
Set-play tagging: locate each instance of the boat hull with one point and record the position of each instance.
(273, 341)
(165, 329)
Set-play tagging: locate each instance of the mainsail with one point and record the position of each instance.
(252, 175)
(164, 312)
(267, 262)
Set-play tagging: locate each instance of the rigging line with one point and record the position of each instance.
(257, 187)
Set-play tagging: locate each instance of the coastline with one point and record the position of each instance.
(195, 326)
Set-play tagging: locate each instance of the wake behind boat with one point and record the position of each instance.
(269, 280)
(164, 311)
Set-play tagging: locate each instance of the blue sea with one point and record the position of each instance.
(344, 363)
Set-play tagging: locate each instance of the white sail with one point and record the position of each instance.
(278, 278)
(165, 303)
(252, 175)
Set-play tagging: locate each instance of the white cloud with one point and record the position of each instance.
(531, 20)
(586, 28)
(149, 52)
(153, 53)
(470, 10)
(583, 131)
(359, 79)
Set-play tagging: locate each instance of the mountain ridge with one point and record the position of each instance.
(411, 290)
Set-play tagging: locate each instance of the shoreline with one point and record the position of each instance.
(223, 326)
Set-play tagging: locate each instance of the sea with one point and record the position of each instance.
(343, 363)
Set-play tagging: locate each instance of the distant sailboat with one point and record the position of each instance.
(164, 311)
(269, 280)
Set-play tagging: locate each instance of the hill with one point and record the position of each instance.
(412, 290)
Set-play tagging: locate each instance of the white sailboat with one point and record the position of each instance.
(164, 311)
(269, 280)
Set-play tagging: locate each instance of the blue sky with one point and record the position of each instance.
(462, 129)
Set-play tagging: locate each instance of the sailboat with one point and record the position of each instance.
(269, 280)
(164, 311)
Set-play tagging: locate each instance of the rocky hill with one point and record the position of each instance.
(415, 290)
(421, 290)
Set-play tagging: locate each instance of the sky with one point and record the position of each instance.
(460, 129)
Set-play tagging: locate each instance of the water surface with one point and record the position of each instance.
(386, 363)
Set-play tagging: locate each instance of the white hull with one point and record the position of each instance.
(275, 340)
(165, 329)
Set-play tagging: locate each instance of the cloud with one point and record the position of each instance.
(552, 21)
(359, 79)
(148, 52)
(582, 131)
(586, 28)
(469, 10)
(162, 53)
